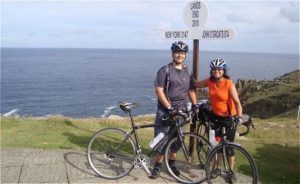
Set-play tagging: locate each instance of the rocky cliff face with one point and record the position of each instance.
(268, 98)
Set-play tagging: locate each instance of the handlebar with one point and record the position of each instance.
(247, 124)
(177, 112)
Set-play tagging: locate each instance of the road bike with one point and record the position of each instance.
(220, 166)
(112, 153)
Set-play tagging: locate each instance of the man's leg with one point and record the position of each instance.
(172, 163)
(157, 166)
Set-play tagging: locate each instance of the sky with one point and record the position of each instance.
(269, 26)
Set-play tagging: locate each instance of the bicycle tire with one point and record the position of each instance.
(192, 169)
(108, 155)
(245, 169)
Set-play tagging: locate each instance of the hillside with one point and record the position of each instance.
(267, 98)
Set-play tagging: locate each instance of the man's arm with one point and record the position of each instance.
(162, 97)
(193, 97)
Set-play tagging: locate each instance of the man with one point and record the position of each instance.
(173, 86)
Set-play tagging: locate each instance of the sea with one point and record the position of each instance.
(83, 83)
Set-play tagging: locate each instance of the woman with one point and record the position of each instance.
(224, 101)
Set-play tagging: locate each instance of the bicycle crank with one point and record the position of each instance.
(142, 161)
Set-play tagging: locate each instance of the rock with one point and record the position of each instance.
(146, 116)
(267, 98)
(114, 117)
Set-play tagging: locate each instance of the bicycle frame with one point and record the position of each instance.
(134, 129)
(116, 159)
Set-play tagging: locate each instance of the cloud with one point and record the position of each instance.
(138, 23)
(238, 19)
(164, 25)
(291, 12)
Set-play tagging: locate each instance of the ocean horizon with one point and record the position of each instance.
(89, 82)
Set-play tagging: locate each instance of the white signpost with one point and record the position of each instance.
(195, 15)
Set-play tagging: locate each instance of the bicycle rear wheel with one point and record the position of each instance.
(190, 161)
(111, 153)
(218, 169)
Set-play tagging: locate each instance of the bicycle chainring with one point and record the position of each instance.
(139, 159)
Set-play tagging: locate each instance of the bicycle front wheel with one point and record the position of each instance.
(111, 153)
(237, 167)
(191, 154)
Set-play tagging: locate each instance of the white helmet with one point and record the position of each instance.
(218, 63)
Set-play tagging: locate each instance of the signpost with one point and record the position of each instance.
(195, 15)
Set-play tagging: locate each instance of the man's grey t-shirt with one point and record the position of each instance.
(179, 85)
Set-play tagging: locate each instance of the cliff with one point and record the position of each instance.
(268, 98)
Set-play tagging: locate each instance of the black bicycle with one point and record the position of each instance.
(228, 162)
(112, 153)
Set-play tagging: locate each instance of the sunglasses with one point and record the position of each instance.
(215, 69)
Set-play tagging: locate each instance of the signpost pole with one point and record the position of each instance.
(195, 76)
(195, 58)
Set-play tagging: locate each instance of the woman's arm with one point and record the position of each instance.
(201, 84)
(237, 103)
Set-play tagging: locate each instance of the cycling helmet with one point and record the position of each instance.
(179, 47)
(218, 63)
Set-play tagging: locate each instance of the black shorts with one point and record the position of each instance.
(219, 121)
(164, 129)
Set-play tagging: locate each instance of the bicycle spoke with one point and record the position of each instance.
(111, 155)
(241, 170)
(190, 164)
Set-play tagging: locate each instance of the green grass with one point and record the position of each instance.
(274, 144)
(275, 148)
(59, 132)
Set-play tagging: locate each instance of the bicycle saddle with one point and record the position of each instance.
(126, 106)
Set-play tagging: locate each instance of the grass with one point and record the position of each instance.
(58, 131)
(274, 144)
(275, 148)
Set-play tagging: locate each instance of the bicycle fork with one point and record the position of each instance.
(185, 150)
(225, 159)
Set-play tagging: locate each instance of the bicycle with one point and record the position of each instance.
(112, 153)
(244, 169)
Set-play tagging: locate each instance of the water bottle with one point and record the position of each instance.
(212, 138)
(188, 106)
(218, 139)
(189, 109)
(156, 140)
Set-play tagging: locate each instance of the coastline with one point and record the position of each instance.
(60, 116)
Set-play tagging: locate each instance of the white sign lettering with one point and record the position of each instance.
(199, 33)
(215, 34)
(176, 34)
(195, 14)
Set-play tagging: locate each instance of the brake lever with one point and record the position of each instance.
(165, 117)
(253, 125)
